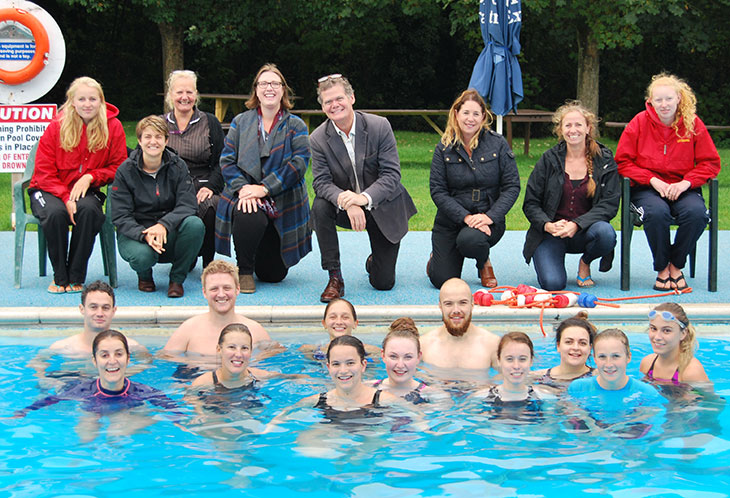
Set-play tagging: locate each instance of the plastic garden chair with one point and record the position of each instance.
(630, 219)
(24, 217)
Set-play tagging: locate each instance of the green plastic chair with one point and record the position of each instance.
(24, 217)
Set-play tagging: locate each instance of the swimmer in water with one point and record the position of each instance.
(346, 364)
(573, 340)
(672, 338)
(111, 391)
(340, 318)
(401, 355)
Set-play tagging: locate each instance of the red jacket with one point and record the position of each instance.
(648, 148)
(56, 170)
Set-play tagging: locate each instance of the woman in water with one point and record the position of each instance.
(668, 154)
(573, 340)
(401, 355)
(672, 338)
(111, 391)
(346, 364)
(340, 318)
(612, 354)
(77, 155)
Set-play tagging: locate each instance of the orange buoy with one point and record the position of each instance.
(42, 46)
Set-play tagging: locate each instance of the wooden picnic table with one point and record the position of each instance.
(527, 116)
(225, 100)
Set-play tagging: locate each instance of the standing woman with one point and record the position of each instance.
(77, 155)
(198, 138)
(672, 338)
(474, 183)
(264, 202)
(668, 154)
(570, 199)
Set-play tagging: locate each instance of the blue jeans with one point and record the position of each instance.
(688, 212)
(596, 241)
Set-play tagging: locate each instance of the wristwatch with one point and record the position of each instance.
(266, 190)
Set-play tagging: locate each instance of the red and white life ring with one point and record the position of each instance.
(42, 47)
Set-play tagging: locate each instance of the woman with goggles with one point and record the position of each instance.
(673, 340)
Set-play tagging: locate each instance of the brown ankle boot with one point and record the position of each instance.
(486, 274)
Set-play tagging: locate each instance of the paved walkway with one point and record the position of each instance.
(306, 281)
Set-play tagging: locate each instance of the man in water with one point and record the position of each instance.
(98, 306)
(199, 334)
(458, 343)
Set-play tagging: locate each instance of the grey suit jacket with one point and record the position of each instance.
(378, 171)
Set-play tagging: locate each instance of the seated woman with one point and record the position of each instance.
(264, 202)
(154, 209)
(474, 183)
(340, 318)
(401, 355)
(668, 154)
(573, 340)
(111, 391)
(350, 397)
(198, 138)
(570, 199)
(672, 338)
(77, 155)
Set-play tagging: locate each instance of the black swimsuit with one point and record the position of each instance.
(413, 396)
(548, 380)
(523, 410)
(223, 399)
(334, 415)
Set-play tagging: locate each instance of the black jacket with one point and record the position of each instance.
(487, 182)
(140, 201)
(545, 189)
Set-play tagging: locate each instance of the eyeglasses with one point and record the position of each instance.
(329, 77)
(666, 315)
(274, 84)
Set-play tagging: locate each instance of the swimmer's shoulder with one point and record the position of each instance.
(258, 332)
(646, 363)
(204, 380)
(69, 344)
(694, 372)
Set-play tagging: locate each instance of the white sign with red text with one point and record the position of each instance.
(21, 126)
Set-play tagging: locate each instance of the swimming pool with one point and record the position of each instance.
(463, 454)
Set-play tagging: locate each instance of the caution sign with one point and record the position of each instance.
(21, 126)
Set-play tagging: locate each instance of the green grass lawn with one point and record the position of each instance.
(415, 150)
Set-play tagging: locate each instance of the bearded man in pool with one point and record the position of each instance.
(458, 343)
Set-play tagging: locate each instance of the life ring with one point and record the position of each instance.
(42, 46)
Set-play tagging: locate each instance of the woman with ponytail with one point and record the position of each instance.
(571, 196)
(672, 338)
(78, 154)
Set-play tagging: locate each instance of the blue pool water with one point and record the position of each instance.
(458, 451)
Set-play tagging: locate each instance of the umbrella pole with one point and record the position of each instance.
(499, 124)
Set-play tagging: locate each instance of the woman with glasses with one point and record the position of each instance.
(672, 338)
(197, 137)
(264, 203)
(474, 182)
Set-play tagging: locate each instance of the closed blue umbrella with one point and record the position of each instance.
(496, 75)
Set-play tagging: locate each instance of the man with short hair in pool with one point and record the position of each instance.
(458, 343)
(98, 306)
(199, 334)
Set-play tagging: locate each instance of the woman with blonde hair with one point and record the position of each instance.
(668, 154)
(197, 137)
(672, 338)
(264, 205)
(570, 199)
(78, 154)
(474, 183)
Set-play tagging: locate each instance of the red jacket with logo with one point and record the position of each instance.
(648, 148)
(57, 170)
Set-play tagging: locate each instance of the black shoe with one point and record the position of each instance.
(606, 262)
(368, 263)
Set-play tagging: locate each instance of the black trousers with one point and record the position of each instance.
(258, 246)
(69, 263)
(327, 218)
(206, 212)
(451, 243)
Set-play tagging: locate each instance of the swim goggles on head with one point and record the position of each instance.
(666, 315)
